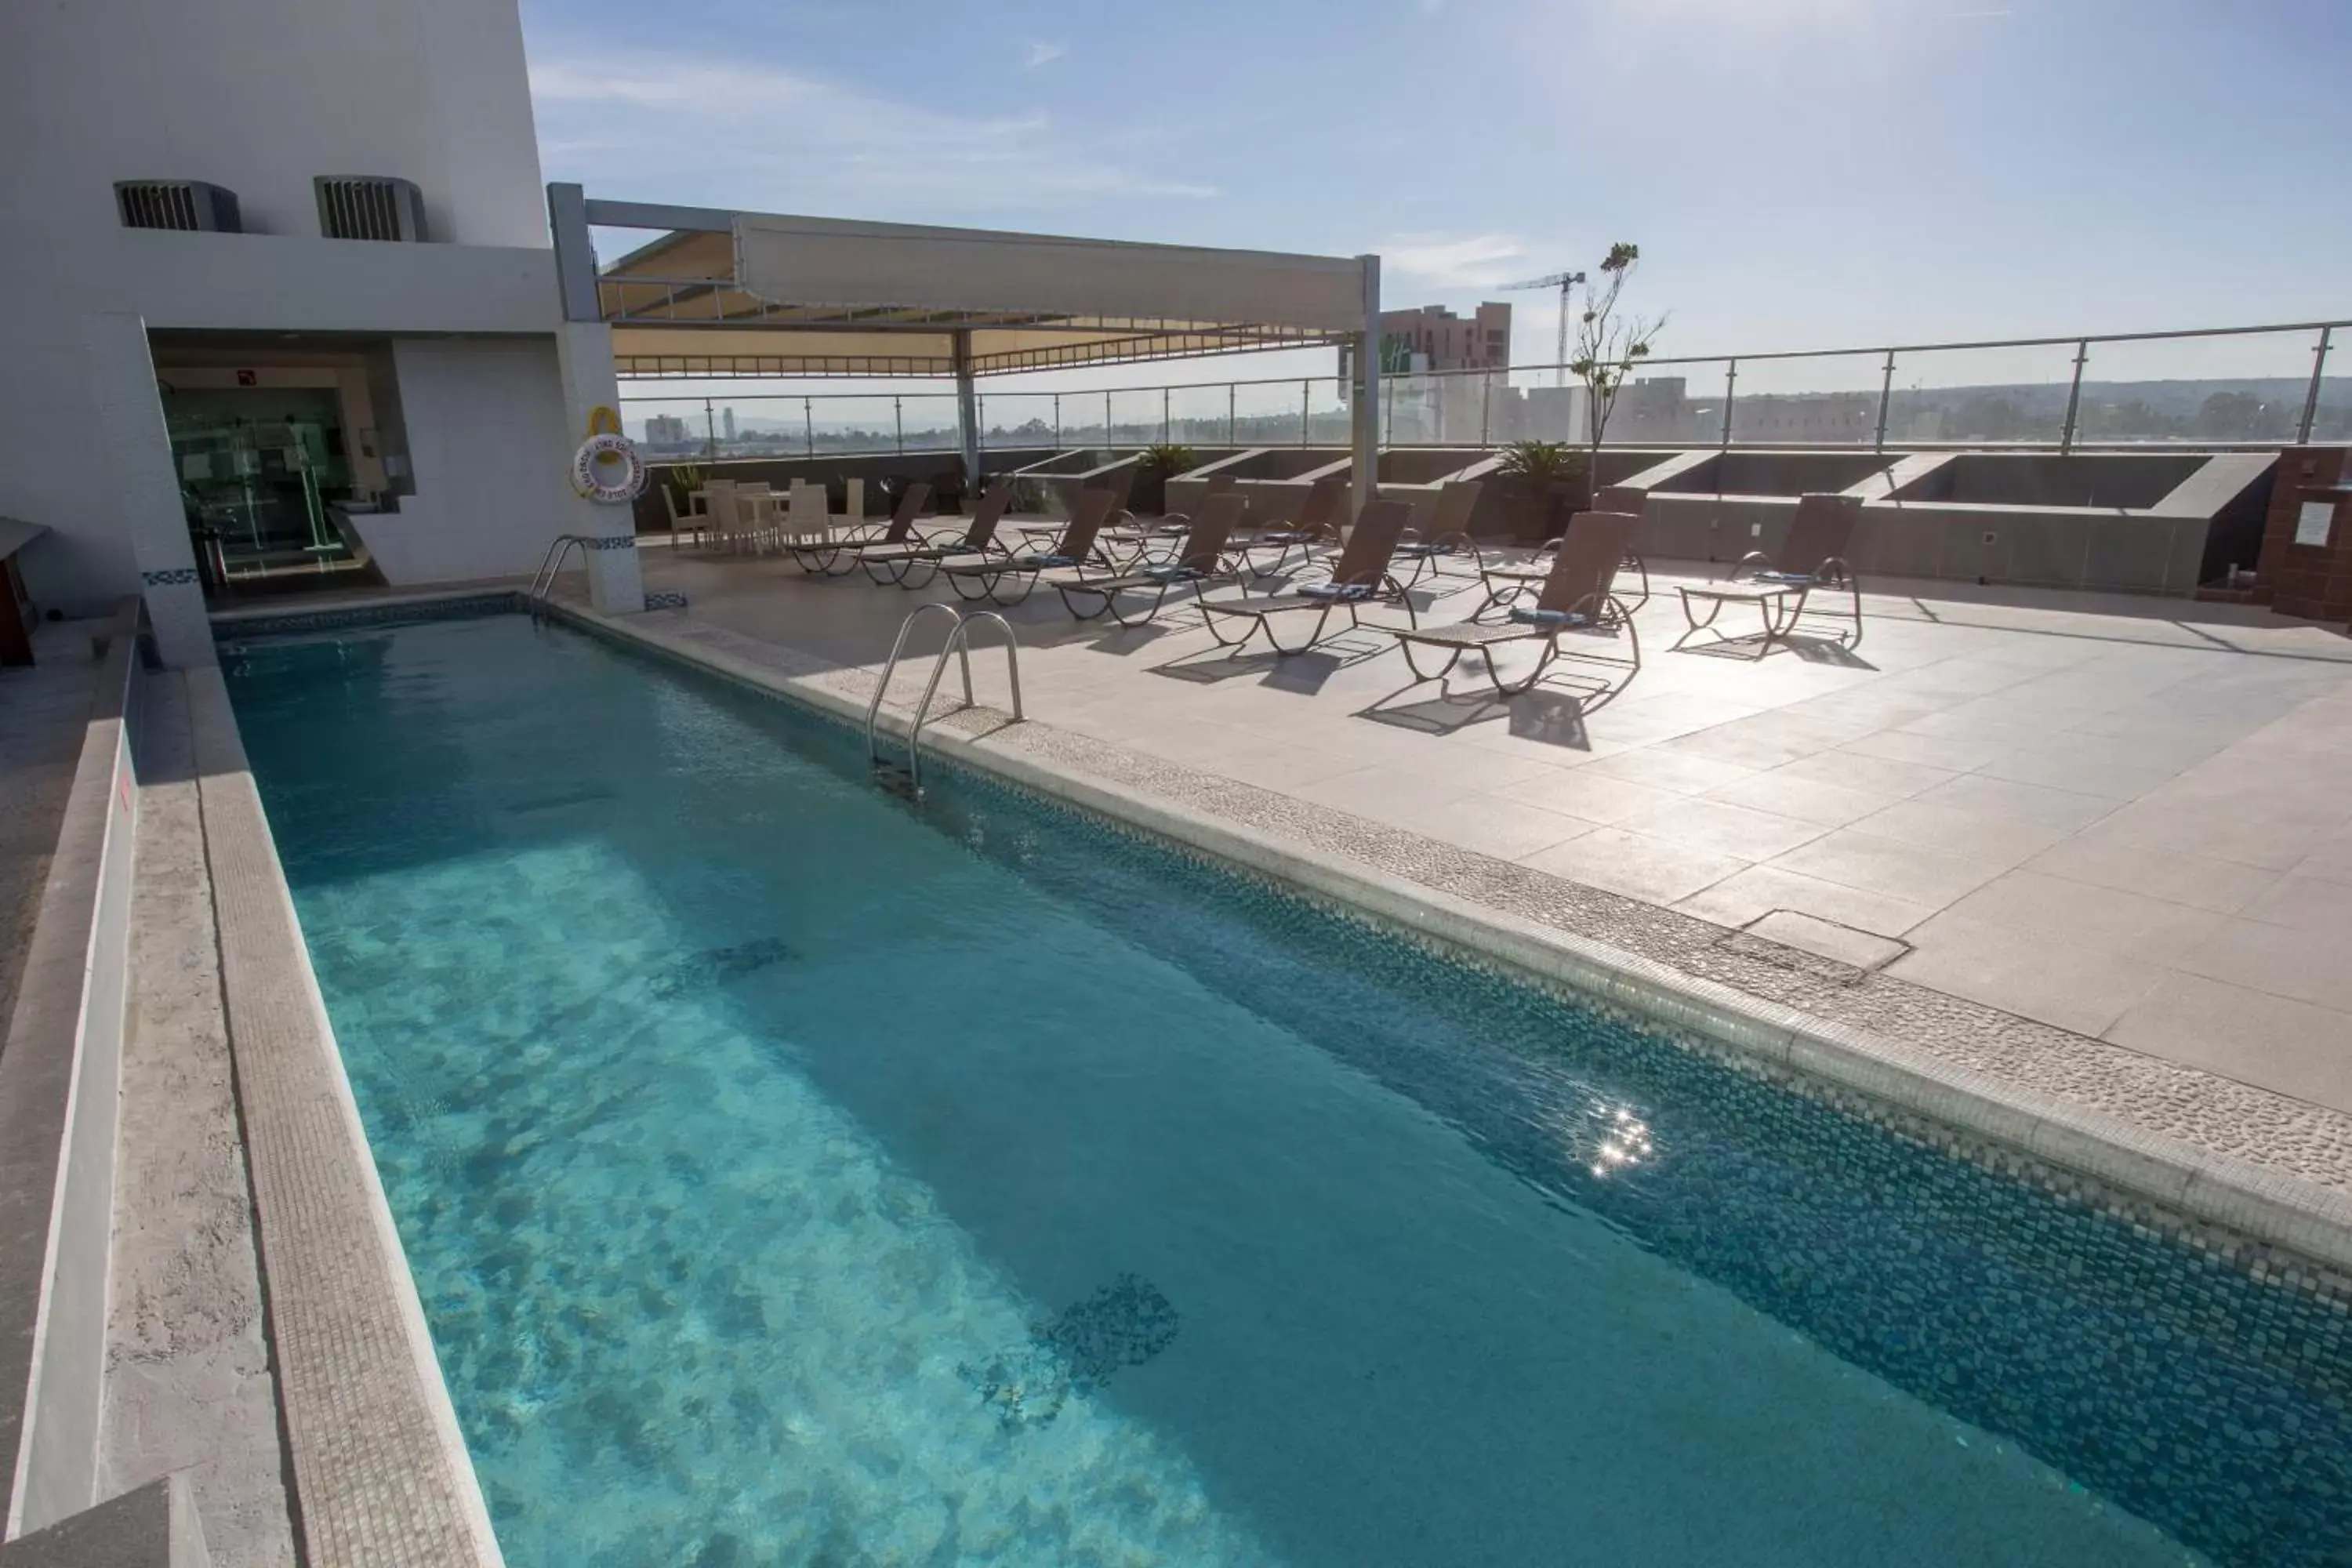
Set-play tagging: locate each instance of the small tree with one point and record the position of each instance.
(1607, 344)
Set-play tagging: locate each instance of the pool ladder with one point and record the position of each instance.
(542, 581)
(960, 644)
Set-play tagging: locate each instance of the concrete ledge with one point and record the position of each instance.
(380, 1471)
(2201, 1187)
(60, 1081)
(153, 1526)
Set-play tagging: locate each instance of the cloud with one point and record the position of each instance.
(1477, 261)
(1044, 54)
(724, 132)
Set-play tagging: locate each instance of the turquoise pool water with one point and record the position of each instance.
(792, 1175)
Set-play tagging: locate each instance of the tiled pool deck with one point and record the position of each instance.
(2008, 827)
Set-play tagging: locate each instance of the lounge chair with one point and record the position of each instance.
(980, 577)
(1039, 538)
(1577, 595)
(1134, 545)
(1199, 560)
(1507, 582)
(1446, 535)
(911, 566)
(1361, 577)
(1812, 558)
(840, 556)
(1317, 522)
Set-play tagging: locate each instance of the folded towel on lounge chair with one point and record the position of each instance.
(1550, 619)
(1176, 573)
(1026, 561)
(1787, 579)
(1339, 593)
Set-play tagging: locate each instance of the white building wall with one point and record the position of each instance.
(486, 434)
(260, 96)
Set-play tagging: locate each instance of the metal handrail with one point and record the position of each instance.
(551, 566)
(960, 644)
(960, 639)
(1878, 438)
(890, 667)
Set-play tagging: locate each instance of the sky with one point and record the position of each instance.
(1797, 174)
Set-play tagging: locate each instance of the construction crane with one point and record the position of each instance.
(1566, 283)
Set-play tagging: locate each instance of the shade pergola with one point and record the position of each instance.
(741, 295)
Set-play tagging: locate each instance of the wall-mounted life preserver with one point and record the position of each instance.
(607, 467)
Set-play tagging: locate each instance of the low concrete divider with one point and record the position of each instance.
(61, 1077)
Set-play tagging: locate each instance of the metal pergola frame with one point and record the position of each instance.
(679, 307)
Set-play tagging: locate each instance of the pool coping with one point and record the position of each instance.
(2151, 1178)
(380, 1472)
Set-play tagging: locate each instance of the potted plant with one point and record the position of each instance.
(1546, 483)
(1157, 465)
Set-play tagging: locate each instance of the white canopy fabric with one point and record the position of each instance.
(802, 296)
(808, 260)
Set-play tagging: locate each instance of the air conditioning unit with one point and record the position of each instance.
(369, 206)
(176, 204)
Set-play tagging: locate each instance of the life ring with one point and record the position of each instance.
(591, 469)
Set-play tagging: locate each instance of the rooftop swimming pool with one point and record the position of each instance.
(793, 1174)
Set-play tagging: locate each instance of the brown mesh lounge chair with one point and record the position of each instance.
(981, 576)
(1577, 595)
(1446, 535)
(839, 555)
(1506, 583)
(1199, 560)
(1361, 577)
(913, 565)
(1038, 538)
(1812, 559)
(1316, 522)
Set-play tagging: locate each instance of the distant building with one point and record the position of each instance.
(1438, 340)
(727, 423)
(665, 430)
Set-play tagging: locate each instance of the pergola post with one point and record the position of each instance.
(1366, 471)
(967, 415)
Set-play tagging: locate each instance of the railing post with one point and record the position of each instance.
(1164, 437)
(2311, 398)
(808, 427)
(1387, 413)
(898, 419)
(1230, 390)
(1730, 385)
(2074, 396)
(1305, 404)
(1057, 422)
(1106, 416)
(709, 431)
(1885, 393)
(1486, 402)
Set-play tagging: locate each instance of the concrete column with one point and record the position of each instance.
(133, 478)
(617, 583)
(1365, 473)
(967, 419)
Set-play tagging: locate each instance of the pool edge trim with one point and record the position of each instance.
(344, 1511)
(2269, 1207)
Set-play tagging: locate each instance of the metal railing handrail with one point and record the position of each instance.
(890, 667)
(551, 566)
(1508, 376)
(959, 640)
